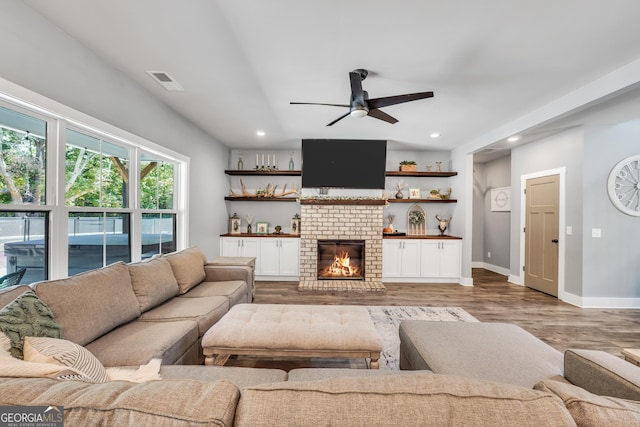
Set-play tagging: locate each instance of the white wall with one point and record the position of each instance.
(38, 56)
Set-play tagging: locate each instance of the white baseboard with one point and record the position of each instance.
(466, 281)
(601, 302)
(516, 280)
(491, 267)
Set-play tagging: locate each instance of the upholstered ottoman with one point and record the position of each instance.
(499, 352)
(280, 330)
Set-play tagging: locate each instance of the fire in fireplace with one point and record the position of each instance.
(341, 259)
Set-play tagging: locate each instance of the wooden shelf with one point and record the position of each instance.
(260, 199)
(263, 173)
(423, 201)
(422, 237)
(421, 174)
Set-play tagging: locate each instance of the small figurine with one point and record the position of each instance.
(442, 224)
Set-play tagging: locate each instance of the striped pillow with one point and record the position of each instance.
(65, 353)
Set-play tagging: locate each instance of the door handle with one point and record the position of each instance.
(554, 241)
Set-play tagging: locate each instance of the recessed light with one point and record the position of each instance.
(260, 133)
(513, 138)
(435, 135)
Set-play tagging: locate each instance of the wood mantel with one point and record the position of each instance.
(358, 202)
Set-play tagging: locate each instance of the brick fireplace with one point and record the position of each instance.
(348, 220)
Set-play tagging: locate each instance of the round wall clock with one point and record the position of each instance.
(624, 185)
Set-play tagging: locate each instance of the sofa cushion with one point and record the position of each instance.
(136, 343)
(91, 304)
(188, 267)
(242, 377)
(26, 316)
(315, 374)
(402, 400)
(65, 353)
(121, 403)
(153, 282)
(590, 410)
(205, 311)
(486, 351)
(602, 373)
(236, 291)
(9, 294)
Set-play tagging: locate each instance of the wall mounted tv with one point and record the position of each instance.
(343, 163)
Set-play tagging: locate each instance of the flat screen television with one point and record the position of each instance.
(343, 163)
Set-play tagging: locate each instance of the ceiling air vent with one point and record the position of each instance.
(165, 80)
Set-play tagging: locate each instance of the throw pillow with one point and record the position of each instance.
(65, 353)
(26, 316)
(591, 410)
(188, 267)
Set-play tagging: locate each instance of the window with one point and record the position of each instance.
(96, 172)
(156, 183)
(23, 149)
(97, 239)
(158, 234)
(24, 244)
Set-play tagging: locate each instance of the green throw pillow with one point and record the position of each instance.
(27, 316)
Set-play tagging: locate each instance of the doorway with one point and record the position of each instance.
(541, 233)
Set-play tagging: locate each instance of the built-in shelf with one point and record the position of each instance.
(278, 235)
(260, 199)
(263, 173)
(423, 201)
(421, 174)
(356, 202)
(422, 237)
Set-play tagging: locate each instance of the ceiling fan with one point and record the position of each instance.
(360, 105)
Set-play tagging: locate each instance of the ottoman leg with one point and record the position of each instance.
(374, 362)
(216, 359)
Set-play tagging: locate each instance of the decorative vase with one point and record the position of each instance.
(399, 195)
(291, 165)
(249, 229)
(240, 164)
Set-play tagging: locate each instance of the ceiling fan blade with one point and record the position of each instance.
(397, 99)
(317, 103)
(381, 115)
(338, 119)
(356, 88)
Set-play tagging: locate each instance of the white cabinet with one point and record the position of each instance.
(279, 257)
(440, 258)
(238, 246)
(276, 259)
(400, 258)
(421, 260)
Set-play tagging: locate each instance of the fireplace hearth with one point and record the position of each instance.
(341, 259)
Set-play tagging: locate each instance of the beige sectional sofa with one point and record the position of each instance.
(125, 319)
(128, 314)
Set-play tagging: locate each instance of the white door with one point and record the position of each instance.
(430, 258)
(450, 253)
(230, 246)
(391, 250)
(410, 258)
(269, 261)
(289, 257)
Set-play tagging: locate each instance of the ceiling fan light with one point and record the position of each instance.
(358, 113)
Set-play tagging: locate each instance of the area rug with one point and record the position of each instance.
(387, 321)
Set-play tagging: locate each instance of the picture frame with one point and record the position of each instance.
(414, 193)
(262, 228)
(501, 199)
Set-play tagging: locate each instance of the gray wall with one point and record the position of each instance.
(611, 267)
(562, 150)
(495, 228)
(38, 56)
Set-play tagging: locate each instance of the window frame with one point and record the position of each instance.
(60, 117)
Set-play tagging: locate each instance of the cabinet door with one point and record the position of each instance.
(430, 258)
(230, 246)
(289, 257)
(450, 254)
(410, 258)
(391, 250)
(269, 261)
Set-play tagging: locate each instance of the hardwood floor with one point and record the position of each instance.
(492, 299)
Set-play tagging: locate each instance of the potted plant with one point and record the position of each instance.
(408, 166)
(435, 194)
(278, 229)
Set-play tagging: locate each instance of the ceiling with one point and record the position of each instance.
(241, 62)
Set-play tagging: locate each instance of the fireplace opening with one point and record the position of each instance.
(340, 259)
